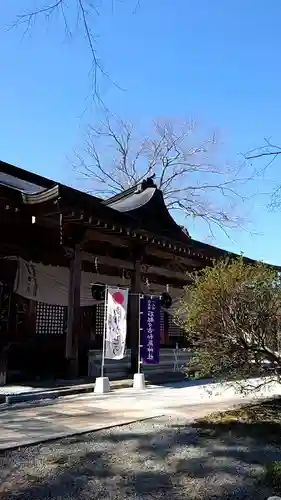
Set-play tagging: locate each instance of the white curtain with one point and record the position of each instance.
(49, 284)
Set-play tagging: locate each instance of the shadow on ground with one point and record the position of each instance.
(149, 460)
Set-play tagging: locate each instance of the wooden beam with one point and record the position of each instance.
(109, 261)
(165, 273)
(144, 269)
(172, 257)
(95, 235)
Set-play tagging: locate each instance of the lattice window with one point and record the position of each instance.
(99, 319)
(50, 319)
(162, 325)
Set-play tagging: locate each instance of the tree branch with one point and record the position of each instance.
(259, 155)
(87, 12)
(186, 170)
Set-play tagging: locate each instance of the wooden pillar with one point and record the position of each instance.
(9, 334)
(134, 314)
(73, 313)
(8, 316)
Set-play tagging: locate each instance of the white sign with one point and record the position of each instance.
(116, 323)
(49, 284)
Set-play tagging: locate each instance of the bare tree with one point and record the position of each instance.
(269, 152)
(268, 149)
(75, 16)
(192, 179)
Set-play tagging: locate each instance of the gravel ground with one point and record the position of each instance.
(158, 459)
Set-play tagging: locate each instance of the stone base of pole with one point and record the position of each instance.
(102, 385)
(139, 381)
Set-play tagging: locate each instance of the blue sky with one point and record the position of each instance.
(217, 61)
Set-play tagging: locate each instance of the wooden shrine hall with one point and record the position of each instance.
(56, 242)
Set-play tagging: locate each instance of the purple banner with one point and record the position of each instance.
(149, 329)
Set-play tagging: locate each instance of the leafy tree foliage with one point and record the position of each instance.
(232, 318)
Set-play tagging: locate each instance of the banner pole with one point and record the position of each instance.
(139, 346)
(104, 329)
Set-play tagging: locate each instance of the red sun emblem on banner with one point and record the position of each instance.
(118, 297)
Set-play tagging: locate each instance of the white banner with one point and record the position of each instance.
(116, 323)
(49, 284)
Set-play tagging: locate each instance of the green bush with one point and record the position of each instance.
(273, 474)
(231, 318)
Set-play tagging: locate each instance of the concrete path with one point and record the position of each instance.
(77, 414)
(14, 394)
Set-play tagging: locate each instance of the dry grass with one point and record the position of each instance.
(267, 412)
